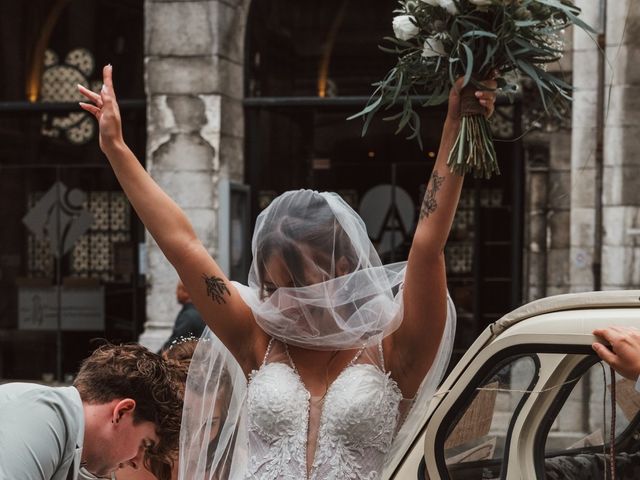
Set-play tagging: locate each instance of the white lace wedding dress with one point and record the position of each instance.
(346, 435)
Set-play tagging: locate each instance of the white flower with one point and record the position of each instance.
(481, 3)
(449, 6)
(404, 27)
(433, 48)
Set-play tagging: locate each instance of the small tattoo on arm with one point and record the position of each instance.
(429, 204)
(216, 288)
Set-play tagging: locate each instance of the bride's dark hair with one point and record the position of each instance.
(310, 224)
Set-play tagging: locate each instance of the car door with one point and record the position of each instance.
(530, 400)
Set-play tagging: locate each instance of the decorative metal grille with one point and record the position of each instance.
(40, 262)
(534, 113)
(459, 250)
(490, 197)
(93, 254)
(463, 221)
(59, 84)
(502, 122)
(466, 199)
(459, 258)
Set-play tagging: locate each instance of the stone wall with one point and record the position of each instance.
(621, 197)
(562, 197)
(621, 149)
(584, 140)
(548, 209)
(195, 128)
(548, 199)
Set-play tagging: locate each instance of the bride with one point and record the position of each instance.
(328, 350)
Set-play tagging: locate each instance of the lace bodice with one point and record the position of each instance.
(356, 422)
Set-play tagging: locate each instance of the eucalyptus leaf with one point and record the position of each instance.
(479, 33)
(468, 65)
(526, 23)
(369, 108)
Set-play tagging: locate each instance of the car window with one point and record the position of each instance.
(475, 443)
(576, 442)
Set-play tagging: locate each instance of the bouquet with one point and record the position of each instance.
(439, 41)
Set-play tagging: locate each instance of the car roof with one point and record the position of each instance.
(569, 301)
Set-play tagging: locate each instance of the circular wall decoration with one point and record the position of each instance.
(59, 84)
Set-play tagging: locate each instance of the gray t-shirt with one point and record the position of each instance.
(41, 432)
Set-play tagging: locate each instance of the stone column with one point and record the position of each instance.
(621, 198)
(548, 195)
(559, 213)
(535, 231)
(583, 148)
(195, 126)
(548, 191)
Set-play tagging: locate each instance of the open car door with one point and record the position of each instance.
(531, 400)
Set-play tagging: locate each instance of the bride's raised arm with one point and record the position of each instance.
(415, 344)
(215, 297)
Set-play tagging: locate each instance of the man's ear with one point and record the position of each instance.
(342, 266)
(123, 407)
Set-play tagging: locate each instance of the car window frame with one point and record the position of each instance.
(457, 410)
(465, 398)
(542, 433)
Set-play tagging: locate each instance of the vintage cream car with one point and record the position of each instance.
(530, 400)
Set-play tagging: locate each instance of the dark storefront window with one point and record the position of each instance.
(69, 244)
(309, 66)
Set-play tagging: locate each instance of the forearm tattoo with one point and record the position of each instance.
(216, 288)
(429, 204)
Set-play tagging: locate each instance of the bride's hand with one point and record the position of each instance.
(486, 98)
(104, 107)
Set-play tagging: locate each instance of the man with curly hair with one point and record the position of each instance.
(125, 402)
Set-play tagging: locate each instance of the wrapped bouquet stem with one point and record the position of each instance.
(473, 151)
(438, 41)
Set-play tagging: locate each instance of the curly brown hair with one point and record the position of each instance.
(132, 371)
(181, 352)
(178, 357)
